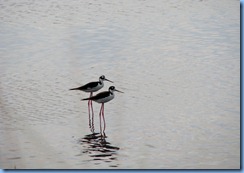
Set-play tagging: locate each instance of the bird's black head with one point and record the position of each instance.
(102, 77)
(112, 89)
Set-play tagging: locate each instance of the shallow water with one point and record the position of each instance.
(178, 64)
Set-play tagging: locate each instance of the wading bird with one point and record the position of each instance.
(92, 87)
(103, 97)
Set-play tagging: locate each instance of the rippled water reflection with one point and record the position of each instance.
(177, 62)
(99, 149)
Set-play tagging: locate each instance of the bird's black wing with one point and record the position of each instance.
(89, 85)
(86, 86)
(99, 96)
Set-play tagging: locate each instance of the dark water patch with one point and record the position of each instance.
(97, 147)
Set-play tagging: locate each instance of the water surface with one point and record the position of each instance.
(178, 64)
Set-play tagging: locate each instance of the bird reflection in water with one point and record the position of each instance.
(96, 146)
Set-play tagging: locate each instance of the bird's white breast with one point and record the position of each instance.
(105, 99)
(98, 87)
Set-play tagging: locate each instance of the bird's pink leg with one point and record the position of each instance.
(91, 120)
(100, 118)
(89, 114)
(92, 108)
(91, 105)
(104, 123)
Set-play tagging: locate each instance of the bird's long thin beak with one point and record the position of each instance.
(109, 80)
(118, 91)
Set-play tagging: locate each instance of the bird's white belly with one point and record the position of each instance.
(105, 99)
(98, 87)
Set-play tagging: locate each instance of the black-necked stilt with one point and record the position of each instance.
(92, 87)
(103, 97)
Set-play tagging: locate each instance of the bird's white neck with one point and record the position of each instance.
(101, 81)
(111, 91)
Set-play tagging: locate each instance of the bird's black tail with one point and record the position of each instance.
(74, 89)
(85, 99)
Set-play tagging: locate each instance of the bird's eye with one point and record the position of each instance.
(102, 77)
